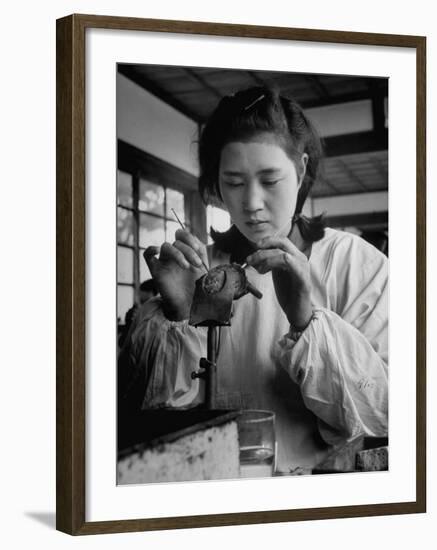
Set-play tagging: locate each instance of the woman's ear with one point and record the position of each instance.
(302, 168)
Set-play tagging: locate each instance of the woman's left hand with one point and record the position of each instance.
(291, 277)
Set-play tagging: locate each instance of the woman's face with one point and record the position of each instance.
(259, 185)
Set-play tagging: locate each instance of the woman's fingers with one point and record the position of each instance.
(171, 254)
(281, 243)
(266, 260)
(187, 252)
(276, 253)
(150, 256)
(190, 255)
(192, 242)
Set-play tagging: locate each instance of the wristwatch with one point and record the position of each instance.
(295, 334)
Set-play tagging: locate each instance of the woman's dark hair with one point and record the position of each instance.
(250, 112)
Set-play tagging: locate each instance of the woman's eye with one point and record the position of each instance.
(234, 183)
(270, 182)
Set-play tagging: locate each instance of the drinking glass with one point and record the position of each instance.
(256, 433)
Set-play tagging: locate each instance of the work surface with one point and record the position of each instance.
(199, 444)
(168, 445)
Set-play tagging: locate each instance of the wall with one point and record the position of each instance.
(335, 120)
(350, 204)
(27, 405)
(148, 123)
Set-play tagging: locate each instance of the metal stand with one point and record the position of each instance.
(209, 369)
(212, 307)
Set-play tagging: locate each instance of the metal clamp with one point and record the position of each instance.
(209, 374)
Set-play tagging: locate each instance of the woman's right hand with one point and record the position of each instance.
(175, 272)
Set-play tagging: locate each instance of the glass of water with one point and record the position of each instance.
(256, 433)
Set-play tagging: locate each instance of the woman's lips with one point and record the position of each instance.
(257, 226)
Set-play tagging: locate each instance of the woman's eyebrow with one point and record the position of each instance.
(267, 171)
(264, 171)
(232, 173)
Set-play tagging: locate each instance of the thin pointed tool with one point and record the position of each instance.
(184, 228)
(272, 237)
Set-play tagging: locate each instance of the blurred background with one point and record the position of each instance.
(160, 110)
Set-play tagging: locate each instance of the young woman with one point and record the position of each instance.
(314, 348)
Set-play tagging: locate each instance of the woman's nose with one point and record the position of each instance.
(253, 198)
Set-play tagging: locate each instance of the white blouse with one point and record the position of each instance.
(326, 388)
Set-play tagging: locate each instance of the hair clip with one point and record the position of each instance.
(253, 102)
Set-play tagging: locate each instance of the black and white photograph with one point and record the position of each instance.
(252, 274)
(218, 294)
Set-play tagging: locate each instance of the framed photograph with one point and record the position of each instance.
(240, 274)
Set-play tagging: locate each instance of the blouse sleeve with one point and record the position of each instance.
(155, 364)
(340, 360)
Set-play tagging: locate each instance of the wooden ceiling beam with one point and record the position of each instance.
(315, 83)
(360, 142)
(367, 220)
(197, 78)
(336, 99)
(376, 92)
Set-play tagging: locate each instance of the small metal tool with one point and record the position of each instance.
(184, 228)
(272, 237)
